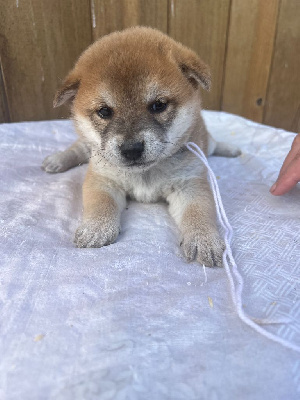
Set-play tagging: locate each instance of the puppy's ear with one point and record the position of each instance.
(68, 89)
(192, 67)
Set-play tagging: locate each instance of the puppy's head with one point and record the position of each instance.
(135, 96)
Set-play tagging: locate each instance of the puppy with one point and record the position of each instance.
(135, 101)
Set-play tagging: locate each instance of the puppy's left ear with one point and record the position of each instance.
(192, 67)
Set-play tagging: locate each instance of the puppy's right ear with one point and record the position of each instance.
(68, 89)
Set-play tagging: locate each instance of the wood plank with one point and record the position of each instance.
(112, 15)
(283, 100)
(249, 53)
(40, 41)
(4, 111)
(202, 26)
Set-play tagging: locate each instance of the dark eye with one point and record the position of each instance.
(105, 112)
(158, 106)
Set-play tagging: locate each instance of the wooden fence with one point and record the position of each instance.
(252, 46)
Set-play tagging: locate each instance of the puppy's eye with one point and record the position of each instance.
(105, 112)
(158, 106)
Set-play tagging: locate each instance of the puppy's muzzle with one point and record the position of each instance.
(132, 151)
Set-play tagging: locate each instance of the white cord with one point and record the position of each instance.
(236, 292)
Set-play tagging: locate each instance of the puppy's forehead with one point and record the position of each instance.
(132, 74)
(139, 69)
(146, 90)
(130, 86)
(142, 81)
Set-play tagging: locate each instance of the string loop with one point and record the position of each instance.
(228, 259)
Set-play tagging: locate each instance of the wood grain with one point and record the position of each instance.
(202, 25)
(39, 42)
(283, 98)
(253, 48)
(4, 111)
(249, 53)
(112, 15)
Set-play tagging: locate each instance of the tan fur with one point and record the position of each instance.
(103, 202)
(127, 72)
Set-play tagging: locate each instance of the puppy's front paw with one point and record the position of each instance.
(96, 234)
(205, 247)
(55, 163)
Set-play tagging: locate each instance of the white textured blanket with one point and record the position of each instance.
(133, 320)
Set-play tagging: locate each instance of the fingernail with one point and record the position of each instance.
(273, 188)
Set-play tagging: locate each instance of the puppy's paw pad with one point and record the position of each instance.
(55, 163)
(93, 234)
(206, 248)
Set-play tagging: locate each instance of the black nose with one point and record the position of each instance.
(132, 151)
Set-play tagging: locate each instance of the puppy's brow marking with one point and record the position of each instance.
(106, 98)
(155, 92)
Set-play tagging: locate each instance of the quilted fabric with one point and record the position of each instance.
(133, 320)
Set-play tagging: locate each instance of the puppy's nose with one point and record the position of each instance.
(132, 151)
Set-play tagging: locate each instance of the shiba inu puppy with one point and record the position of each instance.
(135, 101)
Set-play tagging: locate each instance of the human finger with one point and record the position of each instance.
(295, 148)
(288, 179)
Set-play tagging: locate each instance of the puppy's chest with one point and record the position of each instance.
(146, 188)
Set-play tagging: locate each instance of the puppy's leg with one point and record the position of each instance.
(77, 154)
(222, 149)
(103, 202)
(225, 150)
(192, 207)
